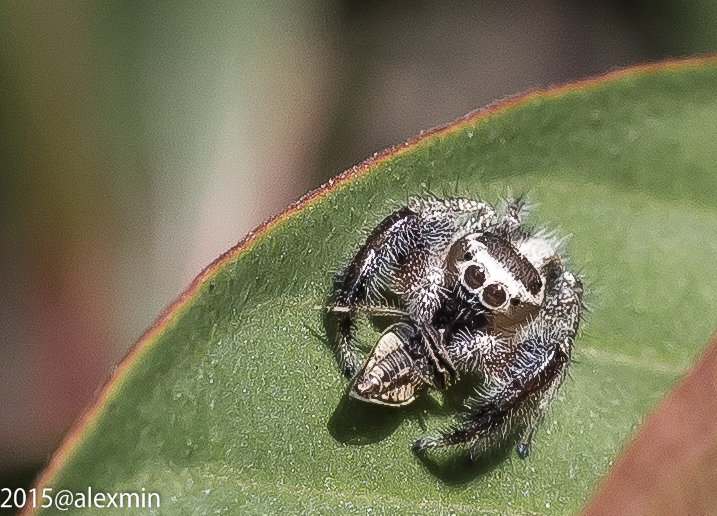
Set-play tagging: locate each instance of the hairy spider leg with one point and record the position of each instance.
(522, 375)
(403, 255)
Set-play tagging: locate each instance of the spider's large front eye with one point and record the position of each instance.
(494, 295)
(474, 276)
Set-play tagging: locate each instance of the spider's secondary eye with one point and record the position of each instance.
(474, 276)
(494, 295)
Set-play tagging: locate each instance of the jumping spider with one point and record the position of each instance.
(477, 292)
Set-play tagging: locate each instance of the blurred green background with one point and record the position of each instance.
(140, 140)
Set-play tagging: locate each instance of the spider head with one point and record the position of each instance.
(489, 271)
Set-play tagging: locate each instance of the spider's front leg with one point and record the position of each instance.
(522, 374)
(401, 256)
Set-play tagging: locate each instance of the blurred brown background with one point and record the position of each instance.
(140, 140)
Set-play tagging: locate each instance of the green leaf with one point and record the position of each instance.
(232, 402)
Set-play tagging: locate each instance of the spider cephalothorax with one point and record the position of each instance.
(478, 293)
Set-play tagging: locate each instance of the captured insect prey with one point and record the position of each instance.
(475, 294)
